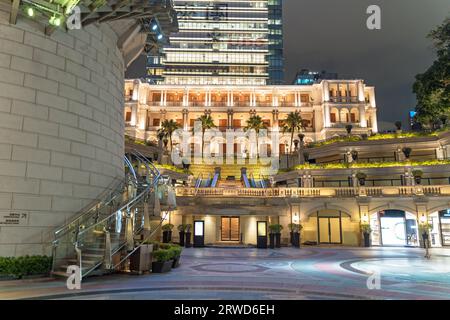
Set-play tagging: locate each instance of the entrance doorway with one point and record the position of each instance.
(394, 228)
(444, 217)
(230, 228)
(330, 228)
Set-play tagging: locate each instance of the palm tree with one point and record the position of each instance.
(168, 127)
(207, 123)
(255, 123)
(293, 123)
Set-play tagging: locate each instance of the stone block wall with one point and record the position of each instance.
(61, 128)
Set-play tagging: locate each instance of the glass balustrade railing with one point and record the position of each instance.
(95, 236)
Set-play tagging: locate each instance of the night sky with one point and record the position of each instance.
(332, 35)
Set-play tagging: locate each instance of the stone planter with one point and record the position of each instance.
(182, 235)
(366, 239)
(140, 259)
(162, 267)
(277, 240)
(272, 240)
(188, 242)
(176, 262)
(296, 239)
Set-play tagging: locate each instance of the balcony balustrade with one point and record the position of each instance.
(340, 192)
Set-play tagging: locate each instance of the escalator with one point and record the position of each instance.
(108, 228)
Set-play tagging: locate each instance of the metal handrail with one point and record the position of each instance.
(84, 213)
(130, 203)
(142, 243)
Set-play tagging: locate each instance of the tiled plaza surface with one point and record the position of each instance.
(287, 273)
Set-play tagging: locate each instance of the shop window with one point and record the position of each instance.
(128, 116)
(156, 122)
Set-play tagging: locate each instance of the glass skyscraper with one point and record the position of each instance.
(237, 42)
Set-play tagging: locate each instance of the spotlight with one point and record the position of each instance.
(160, 36)
(56, 21)
(154, 27)
(30, 12)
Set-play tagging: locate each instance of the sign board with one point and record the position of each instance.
(13, 218)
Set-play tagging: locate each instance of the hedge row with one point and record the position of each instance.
(25, 265)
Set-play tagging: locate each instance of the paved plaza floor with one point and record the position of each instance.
(287, 273)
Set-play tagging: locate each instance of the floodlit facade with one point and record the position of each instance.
(222, 43)
(229, 202)
(326, 108)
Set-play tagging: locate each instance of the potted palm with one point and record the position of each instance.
(181, 231)
(188, 233)
(366, 230)
(163, 261)
(167, 232)
(417, 176)
(275, 235)
(349, 129)
(407, 152)
(306, 156)
(354, 154)
(361, 176)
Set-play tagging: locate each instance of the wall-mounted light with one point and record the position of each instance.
(30, 12)
(54, 20)
(295, 218)
(365, 218)
(423, 219)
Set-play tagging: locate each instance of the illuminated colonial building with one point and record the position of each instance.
(236, 42)
(326, 108)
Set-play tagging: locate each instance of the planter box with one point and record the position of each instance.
(140, 259)
(188, 242)
(182, 235)
(162, 267)
(176, 262)
(366, 240)
(167, 236)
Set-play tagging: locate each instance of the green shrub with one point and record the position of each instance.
(176, 251)
(25, 265)
(162, 255)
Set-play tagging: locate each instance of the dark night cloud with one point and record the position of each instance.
(332, 35)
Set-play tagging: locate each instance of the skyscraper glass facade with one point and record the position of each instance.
(275, 57)
(235, 42)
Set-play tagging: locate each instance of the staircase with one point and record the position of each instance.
(229, 170)
(109, 228)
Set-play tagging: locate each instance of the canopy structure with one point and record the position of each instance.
(140, 24)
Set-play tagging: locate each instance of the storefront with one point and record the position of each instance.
(440, 233)
(394, 228)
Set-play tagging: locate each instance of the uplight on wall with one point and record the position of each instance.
(30, 12)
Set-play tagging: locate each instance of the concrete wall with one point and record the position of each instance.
(61, 128)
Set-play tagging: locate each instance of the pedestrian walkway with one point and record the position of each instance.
(287, 273)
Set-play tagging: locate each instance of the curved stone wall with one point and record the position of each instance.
(61, 128)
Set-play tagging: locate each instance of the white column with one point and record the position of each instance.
(374, 121)
(362, 117)
(161, 103)
(185, 119)
(360, 88)
(326, 91)
(232, 99)
(326, 116)
(297, 104)
(134, 115)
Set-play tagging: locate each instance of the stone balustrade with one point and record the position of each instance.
(340, 192)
